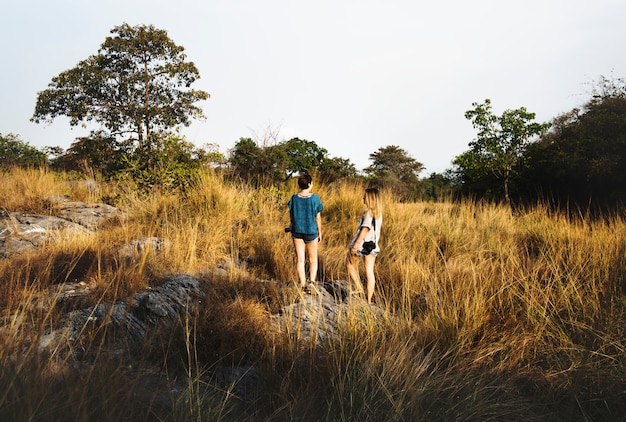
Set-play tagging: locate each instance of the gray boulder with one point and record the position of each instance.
(21, 232)
(127, 321)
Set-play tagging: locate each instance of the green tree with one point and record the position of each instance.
(581, 160)
(393, 167)
(257, 165)
(137, 86)
(435, 187)
(336, 168)
(278, 162)
(302, 156)
(96, 153)
(14, 152)
(500, 143)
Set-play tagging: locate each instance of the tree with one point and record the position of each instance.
(16, 152)
(96, 153)
(302, 156)
(500, 144)
(336, 168)
(277, 162)
(581, 160)
(393, 167)
(435, 187)
(137, 86)
(255, 164)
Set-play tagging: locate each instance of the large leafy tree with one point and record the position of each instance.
(336, 168)
(499, 145)
(393, 167)
(302, 156)
(255, 164)
(137, 86)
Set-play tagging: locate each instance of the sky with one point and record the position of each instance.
(351, 75)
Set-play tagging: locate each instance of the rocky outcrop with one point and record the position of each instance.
(21, 232)
(315, 315)
(127, 321)
(130, 320)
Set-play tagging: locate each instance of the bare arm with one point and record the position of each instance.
(362, 233)
(318, 220)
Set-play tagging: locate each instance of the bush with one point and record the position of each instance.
(17, 153)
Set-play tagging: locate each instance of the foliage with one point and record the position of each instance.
(137, 86)
(394, 168)
(582, 159)
(607, 87)
(336, 168)
(499, 145)
(14, 152)
(277, 163)
(255, 164)
(97, 153)
(171, 164)
(436, 187)
(302, 156)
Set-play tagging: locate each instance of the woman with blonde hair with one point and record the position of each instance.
(366, 242)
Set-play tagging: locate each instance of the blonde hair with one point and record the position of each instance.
(373, 202)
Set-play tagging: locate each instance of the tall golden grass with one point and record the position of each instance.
(480, 313)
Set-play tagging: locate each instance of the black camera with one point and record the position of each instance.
(368, 247)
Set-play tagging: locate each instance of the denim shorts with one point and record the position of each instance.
(308, 238)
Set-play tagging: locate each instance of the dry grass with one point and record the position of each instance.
(486, 314)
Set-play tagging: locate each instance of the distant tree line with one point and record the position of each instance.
(138, 89)
(578, 160)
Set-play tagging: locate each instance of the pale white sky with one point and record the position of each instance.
(353, 76)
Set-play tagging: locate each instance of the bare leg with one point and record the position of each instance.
(311, 249)
(353, 272)
(300, 260)
(369, 274)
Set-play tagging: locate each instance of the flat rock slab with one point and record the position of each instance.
(88, 216)
(21, 232)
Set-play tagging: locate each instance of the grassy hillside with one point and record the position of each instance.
(488, 314)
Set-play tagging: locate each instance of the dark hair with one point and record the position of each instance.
(304, 181)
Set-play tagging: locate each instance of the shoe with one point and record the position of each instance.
(311, 288)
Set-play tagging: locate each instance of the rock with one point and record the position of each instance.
(127, 323)
(127, 320)
(137, 246)
(316, 313)
(21, 232)
(88, 216)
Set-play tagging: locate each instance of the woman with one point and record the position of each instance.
(368, 231)
(306, 230)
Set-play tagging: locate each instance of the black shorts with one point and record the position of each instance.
(308, 238)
